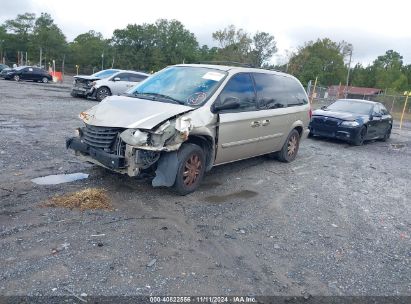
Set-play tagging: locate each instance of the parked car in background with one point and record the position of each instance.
(4, 72)
(82, 84)
(352, 120)
(116, 84)
(106, 83)
(187, 118)
(3, 66)
(28, 73)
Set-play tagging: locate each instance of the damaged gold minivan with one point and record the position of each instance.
(187, 118)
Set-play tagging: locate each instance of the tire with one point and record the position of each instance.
(73, 94)
(16, 78)
(387, 134)
(44, 80)
(290, 149)
(190, 170)
(360, 137)
(310, 134)
(102, 93)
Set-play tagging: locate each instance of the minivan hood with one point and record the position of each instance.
(129, 112)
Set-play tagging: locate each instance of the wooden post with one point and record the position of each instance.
(405, 106)
(313, 91)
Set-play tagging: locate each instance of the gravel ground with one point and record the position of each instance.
(336, 221)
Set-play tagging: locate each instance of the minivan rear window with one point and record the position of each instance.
(276, 91)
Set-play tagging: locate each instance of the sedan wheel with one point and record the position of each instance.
(387, 134)
(16, 77)
(361, 136)
(102, 93)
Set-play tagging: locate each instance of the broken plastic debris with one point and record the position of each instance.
(151, 263)
(59, 178)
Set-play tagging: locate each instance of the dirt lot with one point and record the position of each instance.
(337, 221)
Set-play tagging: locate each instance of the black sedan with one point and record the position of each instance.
(28, 73)
(352, 120)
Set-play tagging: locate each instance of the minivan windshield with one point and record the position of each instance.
(351, 106)
(104, 73)
(187, 85)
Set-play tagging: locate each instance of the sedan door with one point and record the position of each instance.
(375, 125)
(119, 83)
(239, 129)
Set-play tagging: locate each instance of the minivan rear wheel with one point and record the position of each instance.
(290, 149)
(190, 170)
(16, 78)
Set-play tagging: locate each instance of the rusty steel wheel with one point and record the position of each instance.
(191, 167)
(290, 148)
(292, 145)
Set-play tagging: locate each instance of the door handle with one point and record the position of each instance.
(255, 124)
(265, 122)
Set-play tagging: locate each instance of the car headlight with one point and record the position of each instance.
(350, 124)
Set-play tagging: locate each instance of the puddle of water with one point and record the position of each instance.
(223, 198)
(59, 178)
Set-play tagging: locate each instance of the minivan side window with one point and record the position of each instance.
(271, 92)
(295, 92)
(277, 91)
(240, 86)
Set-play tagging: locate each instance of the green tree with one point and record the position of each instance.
(323, 59)
(19, 32)
(86, 50)
(388, 71)
(234, 44)
(151, 47)
(362, 76)
(48, 37)
(264, 47)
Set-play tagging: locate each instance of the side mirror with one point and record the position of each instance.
(116, 79)
(375, 115)
(323, 107)
(228, 104)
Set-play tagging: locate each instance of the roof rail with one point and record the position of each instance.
(230, 63)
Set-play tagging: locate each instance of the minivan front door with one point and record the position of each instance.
(239, 129)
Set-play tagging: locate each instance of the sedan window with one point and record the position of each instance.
(351, 106)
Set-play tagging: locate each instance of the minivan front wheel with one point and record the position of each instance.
(190, 169)
(290, 149)
(45, 80)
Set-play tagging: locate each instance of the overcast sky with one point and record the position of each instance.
(373, 27)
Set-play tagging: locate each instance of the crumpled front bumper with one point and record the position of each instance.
(108, 160)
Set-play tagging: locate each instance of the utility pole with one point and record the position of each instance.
(348, 73)
(41, 54)
(102, 61)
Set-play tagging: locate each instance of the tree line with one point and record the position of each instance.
(151, 46)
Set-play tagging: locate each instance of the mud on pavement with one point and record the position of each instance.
(336, 221)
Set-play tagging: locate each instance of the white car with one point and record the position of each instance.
(116, 84)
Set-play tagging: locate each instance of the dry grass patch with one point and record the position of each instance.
(87, 199)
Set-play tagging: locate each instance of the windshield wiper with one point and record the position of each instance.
(159, 95)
